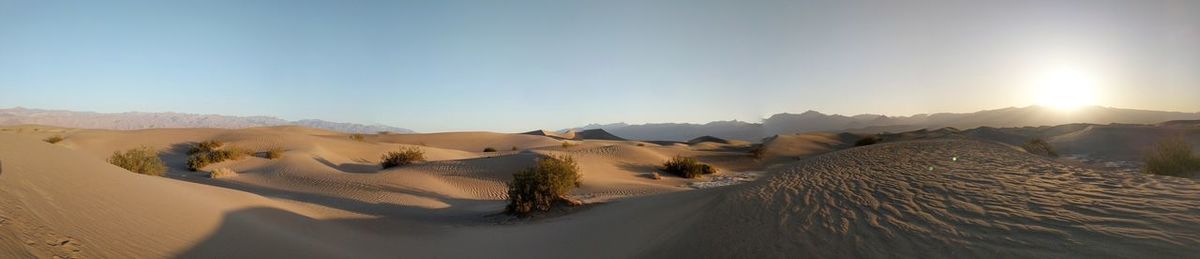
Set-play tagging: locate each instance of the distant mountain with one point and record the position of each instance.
(144, 120)
(813, 121)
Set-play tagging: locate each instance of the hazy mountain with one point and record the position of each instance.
(810, 121)
(144, 120)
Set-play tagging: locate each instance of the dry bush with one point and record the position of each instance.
(514, 148)
(357, 137)
(758, 151)
(1172, 156)
(142, 160)
(221, 173)
(489, 149)
(568, 144)
(273, 153)
(203, 158)
(53, 139)
(687, 167)
(404, 156)
(868, 140)
(542, 186)
(641, 144)
(205, 146)
(1039, 147)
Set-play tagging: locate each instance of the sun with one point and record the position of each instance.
(1065, 88)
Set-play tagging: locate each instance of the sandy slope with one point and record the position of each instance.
(326, 198)
(883, 201)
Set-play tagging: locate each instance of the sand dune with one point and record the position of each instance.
(820, 198)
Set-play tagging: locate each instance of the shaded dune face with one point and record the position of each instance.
(885, 201)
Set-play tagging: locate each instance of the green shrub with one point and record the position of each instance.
(142, 160)
(868, 140)
(357, 137)
(205, 146)
(1039, 147)
(1172, 156)
(542, 186)
(53, 139)
(200, 159)
(687, 167)
(489, 149)
(274, 153)
(404, 156)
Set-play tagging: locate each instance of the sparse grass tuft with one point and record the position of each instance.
(53, 139)
(687, 167)
(542, 186)
(489, 149)
(404, 156)
(1172, 156)
(868, 140)
(221, 173)
(274, 153)
(1039, 147)
(142, 160)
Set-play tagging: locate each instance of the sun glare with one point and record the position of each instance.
(1066, 88)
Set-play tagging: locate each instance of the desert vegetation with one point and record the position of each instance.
(404, 156)
(210, 152)
(544, 185)
(489, 149)
(568, 144)
(758, 151)
(1039, 147)
(687, 167)
(1172, 156)
(142, 160)
(868, 140)
(273, 153)
(358, 137)
(221, 173)
(53, 139)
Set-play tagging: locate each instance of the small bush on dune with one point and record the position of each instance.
(542, 186)
(205, 146)
(206, 154)
(489, 149)
(53, 139)
(1039, 147)
(357, 137)
(274, 153)
(641, 144)
(404, 156)
(141, 160)
(221, 173)
(1172, 156)
(868, 140)
(514, 148)
(758, 152)
(687, 167)
(568, 144)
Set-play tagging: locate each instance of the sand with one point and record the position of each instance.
(814, 196)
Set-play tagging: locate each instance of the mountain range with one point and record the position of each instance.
(147, 120)
(813, 121)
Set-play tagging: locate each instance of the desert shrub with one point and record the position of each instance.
(274, 153)
(357, 137)
(221, 173)
(868, 140)
(204, 158)
(641, 144)
(758, 152)
(1039, 147)
(384, 132)
(514, 148)
(53, 139)
(142, 160)
(404, 156)
(489, 149)
(1172, 156)
(205, 146)
(540, 187)
(687, 167)
(567, 144)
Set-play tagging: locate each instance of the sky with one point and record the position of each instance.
(521, 65)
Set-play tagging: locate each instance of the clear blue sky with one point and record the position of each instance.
(519, 65)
